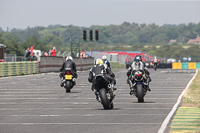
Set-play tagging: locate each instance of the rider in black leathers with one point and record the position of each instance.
(68, 64)
(97, 69)
(138, 60)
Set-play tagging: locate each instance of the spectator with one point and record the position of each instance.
(28, 53)
(46, 53)
(53, 52)
(81, 54)
(49, 52)
(73, 54)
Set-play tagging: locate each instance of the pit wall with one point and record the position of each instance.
(46, 64)
(54, 63)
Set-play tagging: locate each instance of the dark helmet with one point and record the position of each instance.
(138, 58)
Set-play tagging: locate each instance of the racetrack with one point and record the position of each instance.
(37, 104)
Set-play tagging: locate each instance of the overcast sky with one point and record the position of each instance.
(23, 13)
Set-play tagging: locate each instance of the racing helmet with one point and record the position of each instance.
(104, 57)
(69, 58)
(138, 58)
(99, 61)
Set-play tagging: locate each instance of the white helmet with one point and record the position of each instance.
(104, 57)
(69, 58)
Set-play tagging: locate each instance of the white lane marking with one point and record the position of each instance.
(78, 98)
(127, 103)
(169, 116)
(66, 115)
(121, 88)
(80, 109)
(56, 95)
(80, 123)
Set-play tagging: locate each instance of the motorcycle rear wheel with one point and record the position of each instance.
(68, 86)
(104, 99)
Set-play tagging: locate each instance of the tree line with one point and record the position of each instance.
(127, 36)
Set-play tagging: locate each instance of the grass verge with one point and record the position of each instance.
(191, 97)
(187, 117)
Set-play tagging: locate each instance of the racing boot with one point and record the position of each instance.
(74, 80)
(92, 87)
(148, 88)
(112, 86)
(147, 82)
(62, 83)
(132, 91)
(97, 97)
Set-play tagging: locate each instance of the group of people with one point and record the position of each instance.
(103, 65)
(51, 52)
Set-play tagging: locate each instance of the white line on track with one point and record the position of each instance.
(127, 103)
(80, 123)
(56, 95)
(66, 115)
(78, 98)
(153, 89)
(80, 109)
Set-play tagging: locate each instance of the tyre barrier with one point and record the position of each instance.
(18, 68)
(186, 65)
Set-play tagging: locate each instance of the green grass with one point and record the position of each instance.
(187, 117)
(192, 96)
(116, 64)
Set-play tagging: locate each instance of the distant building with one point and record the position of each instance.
(194, 41)
(172, 41)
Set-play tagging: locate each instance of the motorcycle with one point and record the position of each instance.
(155, 65)
(137, 81)
(104, 91)
(69, 80)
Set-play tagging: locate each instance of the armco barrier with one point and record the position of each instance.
(165, 65)
(18, 68)
(54, 63)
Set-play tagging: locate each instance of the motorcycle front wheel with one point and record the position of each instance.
(140, 93)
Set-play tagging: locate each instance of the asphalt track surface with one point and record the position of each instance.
(37, 104)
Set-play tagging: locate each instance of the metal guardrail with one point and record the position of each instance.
(18, 68)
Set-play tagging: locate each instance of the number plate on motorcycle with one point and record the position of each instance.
(68, 76)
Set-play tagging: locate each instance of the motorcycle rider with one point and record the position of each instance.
(68, 64)
(105, 61)
(98, 68)
(138, 65)
(155, 61)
